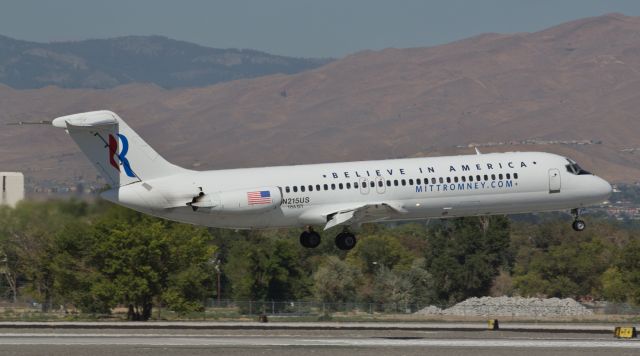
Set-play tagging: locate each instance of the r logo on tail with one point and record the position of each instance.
(113, 153)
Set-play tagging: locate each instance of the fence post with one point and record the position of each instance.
(273, 307)
(250, 308)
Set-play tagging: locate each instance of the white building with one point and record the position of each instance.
(12, 188)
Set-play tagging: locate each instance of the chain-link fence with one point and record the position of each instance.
(314, 310)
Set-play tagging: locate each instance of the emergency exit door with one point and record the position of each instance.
(364, 185)
(554, 181)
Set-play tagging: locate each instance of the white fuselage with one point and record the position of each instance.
(402, 189)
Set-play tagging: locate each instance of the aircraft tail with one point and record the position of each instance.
(119, 154)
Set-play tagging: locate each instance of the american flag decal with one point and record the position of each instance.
(259, 197)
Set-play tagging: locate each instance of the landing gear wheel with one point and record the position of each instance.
(579, 225)
(346, 241)
(310, 239)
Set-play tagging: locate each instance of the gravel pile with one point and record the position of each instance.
(430, 310)
(511, 306)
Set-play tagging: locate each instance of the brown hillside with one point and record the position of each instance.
(573, 82)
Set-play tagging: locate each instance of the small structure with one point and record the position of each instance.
(12, 185)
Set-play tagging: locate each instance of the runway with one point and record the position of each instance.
(291, 342)
(240, 341)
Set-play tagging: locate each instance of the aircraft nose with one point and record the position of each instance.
(603, 188)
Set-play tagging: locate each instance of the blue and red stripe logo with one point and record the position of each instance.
(122, 155)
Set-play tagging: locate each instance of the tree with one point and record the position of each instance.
(73, 276)
(614, 286)
(29, 244)
(335, 281)
(379, 250)
(623, 280)
(9, 263)
(568, 264)
(422, 284)
(140, 260)
(267, 268)
(464, 255)
(191, 272)
(390, 287)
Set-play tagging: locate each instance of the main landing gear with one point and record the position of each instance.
(309, 238)
(345, 240)
(578, 224)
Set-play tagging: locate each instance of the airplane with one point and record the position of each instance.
(344, 194)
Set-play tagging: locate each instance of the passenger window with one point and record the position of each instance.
(455, 179)
(448, 179)
(380, 184)
(418, 181)
(295, 189)
(515, 176)
(403, 182)
(310, 188)
(493, 177)
(508, 175)
(478, 178)
(318, 187)
(372, 184)
(340, 186)
(463, 178)
(433, 181)
(348, 185)
(333, 186)
(441, 180)
(302, 188)
(411, 181)
(286, 189)
(326, 187)
(500, 176)
(470, 178)
(388, 183)
(486, 177)
(355, 185)
(395, 182)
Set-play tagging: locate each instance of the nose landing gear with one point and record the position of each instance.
(578, 224)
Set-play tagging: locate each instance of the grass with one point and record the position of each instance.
(309, 315)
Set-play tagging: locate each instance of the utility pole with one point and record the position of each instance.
(218, 275)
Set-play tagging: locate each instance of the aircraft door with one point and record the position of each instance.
(380, 187)
(364, 185)
(554, 181)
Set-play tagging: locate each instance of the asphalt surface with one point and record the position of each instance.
(596, 328)
(141, 342)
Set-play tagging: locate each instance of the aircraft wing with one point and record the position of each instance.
(363, 213)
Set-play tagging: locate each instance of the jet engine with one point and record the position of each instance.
(252, 200)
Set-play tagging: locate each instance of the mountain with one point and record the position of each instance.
(573, 89)
(106, 63)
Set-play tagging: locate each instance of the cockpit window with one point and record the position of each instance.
(574, 168)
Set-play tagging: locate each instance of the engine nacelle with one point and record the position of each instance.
(253, 200)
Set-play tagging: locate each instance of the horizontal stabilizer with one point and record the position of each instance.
(84, 120)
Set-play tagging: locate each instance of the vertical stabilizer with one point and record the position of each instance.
(119, 154)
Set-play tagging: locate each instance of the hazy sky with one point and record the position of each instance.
(315, 28)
